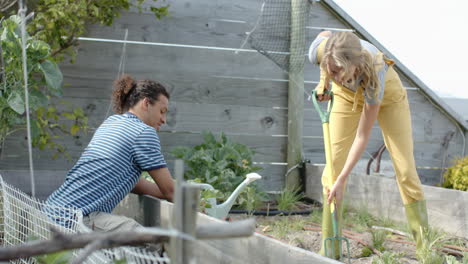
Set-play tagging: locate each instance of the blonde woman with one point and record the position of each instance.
(366, 88)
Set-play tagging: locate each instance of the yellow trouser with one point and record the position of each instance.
(395, 121)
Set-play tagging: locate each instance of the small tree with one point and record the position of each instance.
(61, 22)
(53, 33)
(45, 81)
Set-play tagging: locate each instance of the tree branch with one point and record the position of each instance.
(95, 240)
(61, 241)
(72, 41)
(5, 4)
(88, 250)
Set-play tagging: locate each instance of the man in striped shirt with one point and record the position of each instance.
(122, 148)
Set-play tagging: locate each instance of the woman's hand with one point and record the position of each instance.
(337, 191)
(321, 87)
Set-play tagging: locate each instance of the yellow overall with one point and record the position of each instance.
(394, 119)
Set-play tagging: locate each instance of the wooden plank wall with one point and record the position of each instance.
(243, 95)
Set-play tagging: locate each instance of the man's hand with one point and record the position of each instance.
(164, 180)
(163, 188)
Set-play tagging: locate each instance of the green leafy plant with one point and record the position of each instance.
(366, 252)
(45, 82)
(282, 227)
(316, 216)
(431, 239)
(64, 257)
(53, 36)
(288, 199)
(60, 257)
(221, 163)
(456, 176)
(252, 198)
(378, 239)
(452, 260)
(387, 258)
(359, 219)
(60, 22)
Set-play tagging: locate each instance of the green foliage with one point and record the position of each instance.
(456, 176)
(205, 195)
(316, 216)
(431, 239)
(44, 82)
(378, 239)
(221, 163)
(64, 257)
(359, 219)
(252, 198)
(288, 199)
(366, 252)
(61, 22)
(387, 258)
(61, 257)
(282, 227)
(451, 260)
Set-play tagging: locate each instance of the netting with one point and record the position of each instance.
(280, 33)
(23, 218)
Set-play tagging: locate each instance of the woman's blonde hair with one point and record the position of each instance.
(345, 49)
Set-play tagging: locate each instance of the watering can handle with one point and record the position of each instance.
(324, 116)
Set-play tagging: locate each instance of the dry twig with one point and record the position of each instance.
(61, 241)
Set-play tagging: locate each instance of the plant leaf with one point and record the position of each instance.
(74, 129)
(53, 76)
(16, 102)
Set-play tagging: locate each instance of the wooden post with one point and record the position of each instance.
(185, 217)
(296, 91)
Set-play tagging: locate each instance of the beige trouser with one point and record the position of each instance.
(395, 121)
(105, 222)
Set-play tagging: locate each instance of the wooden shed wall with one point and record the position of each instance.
(242, 94)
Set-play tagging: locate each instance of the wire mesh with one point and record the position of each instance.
(271, 35)
(24, 218)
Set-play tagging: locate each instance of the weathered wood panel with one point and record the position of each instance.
(243, 95)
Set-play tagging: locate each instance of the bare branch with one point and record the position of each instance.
(95, 240)
(398, 232)
(5, 4)
(63, 241)
(88, 250)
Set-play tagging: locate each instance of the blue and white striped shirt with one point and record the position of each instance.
(122, 147)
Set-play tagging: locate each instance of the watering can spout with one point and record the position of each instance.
(222, 210)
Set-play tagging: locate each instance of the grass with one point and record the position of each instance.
(282, 227)
(387, 258)
(316, 216)
(359, 220)
(288, 199)
(432, 238)
(378, 239)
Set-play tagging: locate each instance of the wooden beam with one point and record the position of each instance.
(296, 91)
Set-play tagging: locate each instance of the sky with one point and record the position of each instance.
(429, 37)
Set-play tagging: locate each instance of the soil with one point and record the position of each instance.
(307, 235)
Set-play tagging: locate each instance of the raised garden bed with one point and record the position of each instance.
(367, 241)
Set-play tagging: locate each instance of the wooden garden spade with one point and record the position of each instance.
(335, 240)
